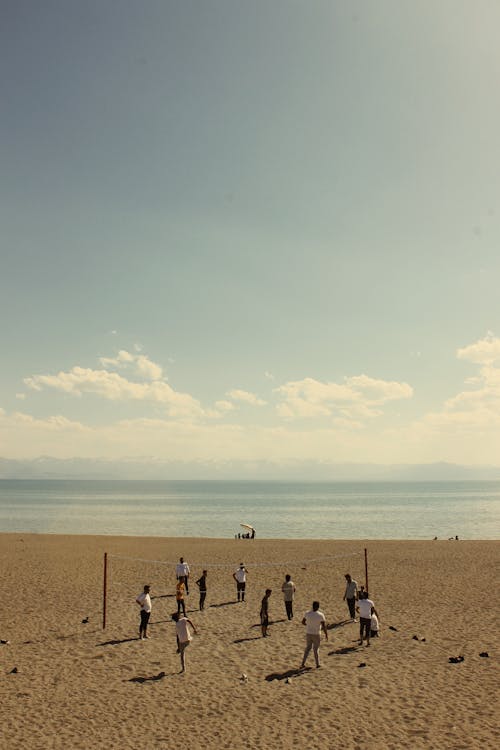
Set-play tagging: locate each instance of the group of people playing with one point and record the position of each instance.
(359, 601)
(314, 620)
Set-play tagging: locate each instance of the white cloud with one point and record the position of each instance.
(114, 387)
(356, 397)
(21, 396)
(138, 363)
(225, 406)
(483, 352)
(56, 423)
(467, 427)
(246, 397)
(148, 369)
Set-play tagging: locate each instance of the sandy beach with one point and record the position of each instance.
(79, 686)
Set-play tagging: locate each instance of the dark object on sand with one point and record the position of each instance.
(416, 638)
(362, 664)
(391, 627)
(484, 654)
(85, 620)
(4, 643)
(13, 671)
(455, 659)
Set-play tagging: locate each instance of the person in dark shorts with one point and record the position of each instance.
(288, 589)
(350, 594)
(179, 595)
(240, 576)
(202, 585)
(365, 608)
(264, 613)
(144, 601)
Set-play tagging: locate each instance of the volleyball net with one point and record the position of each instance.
(124, 577)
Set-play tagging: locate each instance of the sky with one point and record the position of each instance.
(260, 232)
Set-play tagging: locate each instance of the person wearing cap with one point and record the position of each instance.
(315, 622)
(264, 613)
(144, 601)
(240, 576)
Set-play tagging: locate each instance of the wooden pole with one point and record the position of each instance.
(366, 571)
(104, 590)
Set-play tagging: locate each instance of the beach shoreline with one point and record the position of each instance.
(429, 594)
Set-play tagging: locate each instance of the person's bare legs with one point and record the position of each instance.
(316, 654)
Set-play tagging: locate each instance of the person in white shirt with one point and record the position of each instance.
(144, 601)
(184, 636)
(366, 609)
(182, 571)
(288, 590)
(315, 622)
(240, 576)
(374, 626)
(350, 594)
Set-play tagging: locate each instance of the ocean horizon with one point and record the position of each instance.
(276, 509)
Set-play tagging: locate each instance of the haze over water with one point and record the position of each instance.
(302, 510)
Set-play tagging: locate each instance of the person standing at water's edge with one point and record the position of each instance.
(350, 595)
(182, 571)
(264, 613)
(315, 622)
(240, 576)
(288, 590)
(144, 601)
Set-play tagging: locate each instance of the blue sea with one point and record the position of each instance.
(286, 510)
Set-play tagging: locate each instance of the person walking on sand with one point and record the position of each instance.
(184, 637)
(288, 590)
(315, 622)
(202, 585)
(366, 609)
(179, 596)
(350, 595)
(264, 613)
(182, 571)
(240, 576)
(144, 601)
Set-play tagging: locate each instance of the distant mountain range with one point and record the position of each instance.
(143, 468)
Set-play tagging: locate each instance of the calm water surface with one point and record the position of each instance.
(301, 510)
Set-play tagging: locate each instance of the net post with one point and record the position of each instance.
(366, 571)
(105, 590)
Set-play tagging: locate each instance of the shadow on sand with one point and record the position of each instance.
(343, 651)
(253, 638)
(117, 641)
(153, 678)
(286, 675)
(339, 624)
